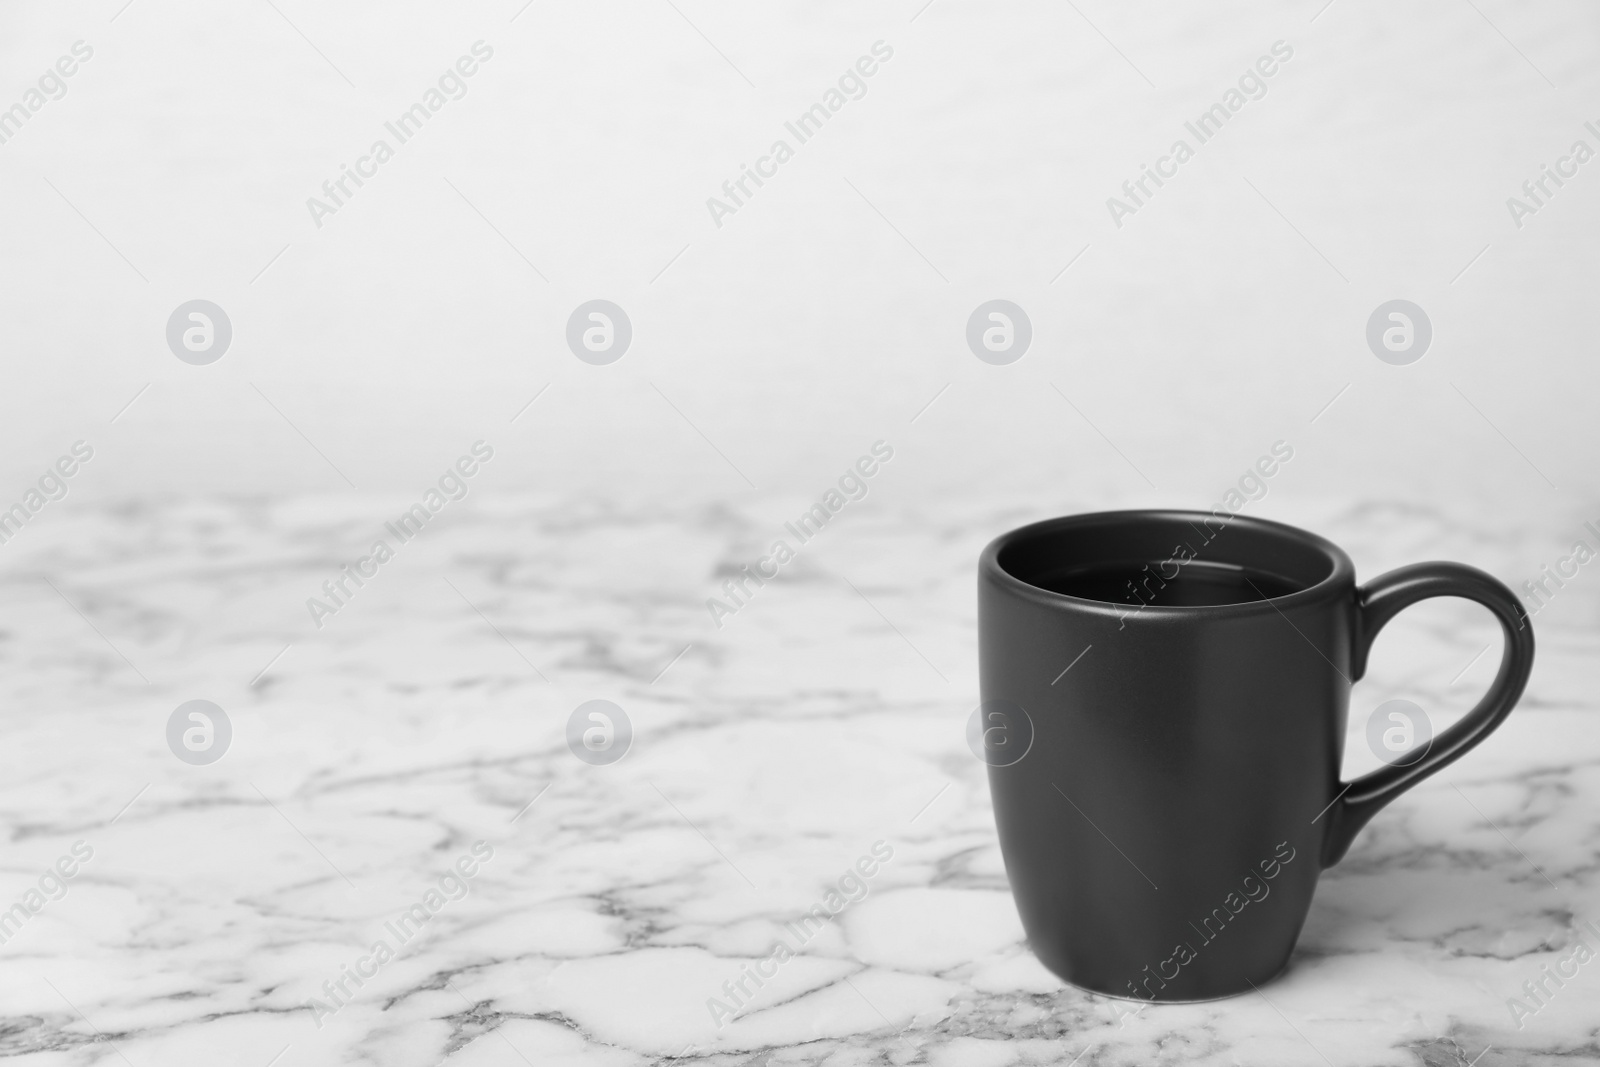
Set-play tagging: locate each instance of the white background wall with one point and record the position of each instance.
(805, 327)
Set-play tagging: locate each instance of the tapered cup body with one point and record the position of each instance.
(1163, 832)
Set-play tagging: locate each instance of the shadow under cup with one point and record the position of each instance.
(1177, 684)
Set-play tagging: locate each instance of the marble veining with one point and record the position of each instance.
(426, 723)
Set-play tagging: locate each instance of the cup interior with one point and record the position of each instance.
(1166, 559)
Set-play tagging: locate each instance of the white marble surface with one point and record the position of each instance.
(767, 758)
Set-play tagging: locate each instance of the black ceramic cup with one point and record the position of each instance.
(1164, 700)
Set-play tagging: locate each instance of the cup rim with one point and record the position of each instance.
(1341, 571)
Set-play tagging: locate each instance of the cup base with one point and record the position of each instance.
(1181, 1000)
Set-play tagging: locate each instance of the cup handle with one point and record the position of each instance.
(1376, 603)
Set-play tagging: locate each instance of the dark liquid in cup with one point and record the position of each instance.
(1197, 583)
